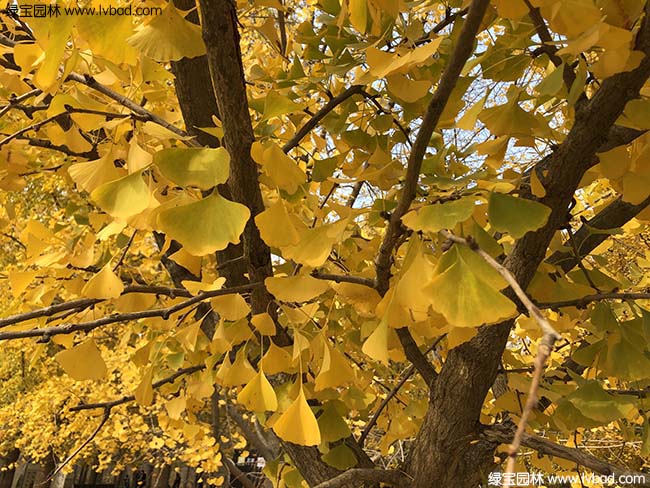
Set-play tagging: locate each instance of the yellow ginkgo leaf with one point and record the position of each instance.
(283, 171)
(299, 288)
(300, 344)
(276, 227)
(196, 287)
(335, 370)
(83, 362)
(106, 35)
(376, 345)
(176, 406)
(20, 280)
(298, 423)
(231, 307)
(406, 303)
(316, 244)
(187, 336)
(105, 284)
(200, 167)
(168, 37)
(358, 14)
(123, 198)
(263, 323)
(144, 392)
(205, 226)
(464, 298)
(258, 395)
(91, 174)
(137, 159)
(240, 372)
(277, 360)
(189, 262)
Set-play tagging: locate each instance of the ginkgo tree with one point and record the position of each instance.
(361, 237)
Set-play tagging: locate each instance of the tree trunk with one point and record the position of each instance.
(7, 476)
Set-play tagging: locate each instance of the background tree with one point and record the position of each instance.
(317, 220)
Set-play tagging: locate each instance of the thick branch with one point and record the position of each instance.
(470, 368)
(48, 332)
(357, 280)
(221, 37)
(461, 53)
(320, 115)
(129, 398)
(252, 435)
(83, 303)
(597, 297)
(550, 336)
(614, 215)
(503, 435)
(358, 476)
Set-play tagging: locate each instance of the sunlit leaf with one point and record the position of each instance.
(83, 362)
(298, 423)
(205, 226)
(200, 167)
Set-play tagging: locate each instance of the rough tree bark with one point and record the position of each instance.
(447, 451)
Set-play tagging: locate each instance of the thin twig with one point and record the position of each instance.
(34, 127)
(408, 372)
(584, 301)
(47, 332)
(15, 239)
(13, 101)
(84, 303)
(463, 49)
(47, 144)
(358, 280)
(129, 398)
(318, 116)
(126, 249)
(550, 336)
(282, 27)
(576, 251)
(91, 82)
(107, 413)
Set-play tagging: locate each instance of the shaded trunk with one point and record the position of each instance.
(7, 476)
(447, 451)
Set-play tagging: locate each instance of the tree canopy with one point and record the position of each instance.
(361, 237)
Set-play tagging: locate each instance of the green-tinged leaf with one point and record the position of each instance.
(516, 216)
(593, 402)
(200, 167)
(276, 105)
(465, 299)
(123, 198)
(438, 216)
(205, 226)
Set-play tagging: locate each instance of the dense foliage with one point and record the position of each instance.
(290, 225)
